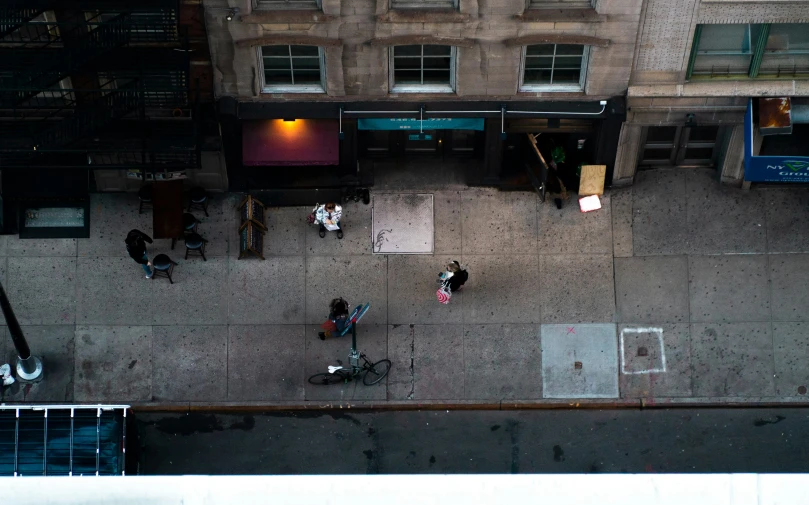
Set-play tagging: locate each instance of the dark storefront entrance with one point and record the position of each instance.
(482, 143)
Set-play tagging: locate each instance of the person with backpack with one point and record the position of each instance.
(451, 281)
(338, 319)
(136, 247)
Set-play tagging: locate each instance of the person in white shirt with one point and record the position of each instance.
(328, 216)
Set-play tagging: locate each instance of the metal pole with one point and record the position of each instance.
(29, 368)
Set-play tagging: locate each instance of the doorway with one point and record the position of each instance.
(680, 146)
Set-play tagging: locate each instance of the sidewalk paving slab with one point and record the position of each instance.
(579, 361)
(430, 359)
(197, 297)
(266, 361)
(112, 215)
(732, 359)
(723, 219)
(636, 378)
(113, 291)
(267, 291)
(621, 200)
(372, 340)
(729, 288)
(448, 239)
(501, 289)
(43, 289)
(789, 277)
(412, 284)
(403, 223)
(577, 288)
(358, 279)
(286, 232)
(791, 354)
(787, 221)
(53, 344)
(498, 222)
(652, 289)
(113, 363)
(189, 363)
(502, 361)
(659, 216)
(17, 247)
(570, 231)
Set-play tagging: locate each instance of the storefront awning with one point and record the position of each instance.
(771, 168)
(297, 142)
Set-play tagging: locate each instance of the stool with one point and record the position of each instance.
(145, 197)
(190, 223)
(163, 266)
(195, 242)
(198, 197)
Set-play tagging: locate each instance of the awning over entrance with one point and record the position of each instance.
(772, 168)
(279, 142)
(462, 123)
(37, 440)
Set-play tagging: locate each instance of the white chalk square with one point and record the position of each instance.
(642, 351)
(402, 223)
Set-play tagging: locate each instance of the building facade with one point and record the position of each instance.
(318, 93)
(698, 64)
(99, 95)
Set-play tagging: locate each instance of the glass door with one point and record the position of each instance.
(679, 146)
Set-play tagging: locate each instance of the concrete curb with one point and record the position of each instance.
(466, 405)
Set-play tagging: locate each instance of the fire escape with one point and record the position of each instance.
(96, 85)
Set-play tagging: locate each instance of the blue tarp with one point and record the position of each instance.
(770, 168)
(461, 123)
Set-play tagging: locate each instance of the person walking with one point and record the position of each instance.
(454, 277)
(338, 318)
(136, 247)
(328, 217)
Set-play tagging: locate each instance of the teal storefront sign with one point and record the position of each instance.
(459, 123)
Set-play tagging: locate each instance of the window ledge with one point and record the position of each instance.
(562, 15)
(551, 89)
(260, 16)
(424, 16)
(293, 89)
(415, 88)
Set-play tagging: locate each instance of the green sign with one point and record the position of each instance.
(454, 123)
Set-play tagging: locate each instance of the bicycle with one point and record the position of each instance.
(371, 373)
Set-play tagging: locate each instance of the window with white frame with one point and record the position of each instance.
(554, 67)
(423, 4)
(422, 69)
(292, 69)
(561, 4)
(287, 4)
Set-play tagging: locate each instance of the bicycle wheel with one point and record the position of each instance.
(376, 372)
(326, 379)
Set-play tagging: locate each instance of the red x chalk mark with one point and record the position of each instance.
(571, 329)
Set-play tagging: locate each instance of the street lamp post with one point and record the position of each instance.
(29, 368)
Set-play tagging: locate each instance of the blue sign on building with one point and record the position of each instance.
(455, 123)
(770, 168)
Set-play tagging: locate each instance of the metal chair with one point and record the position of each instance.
(198, 198)
(163, 266)
(195, 242)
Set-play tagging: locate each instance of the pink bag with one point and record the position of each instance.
(443, 294)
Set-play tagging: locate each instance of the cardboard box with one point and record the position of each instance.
(592, 180)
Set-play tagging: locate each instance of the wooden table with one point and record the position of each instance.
(167, 199)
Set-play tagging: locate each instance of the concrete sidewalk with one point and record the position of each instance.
(678, 291)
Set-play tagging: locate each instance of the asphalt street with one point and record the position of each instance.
(435, 442)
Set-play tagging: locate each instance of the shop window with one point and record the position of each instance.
(561, 4)
(292, 69)
(287, 4)
(423, 4)
(422, 69)
(767, 51)
(554, 67)
(672, 146)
